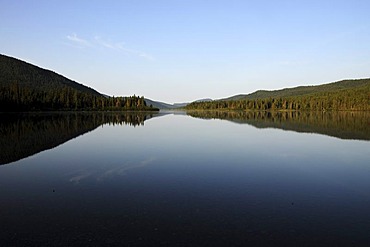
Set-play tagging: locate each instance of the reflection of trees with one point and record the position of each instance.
(344, 125)
(131, 118)
(27, 134)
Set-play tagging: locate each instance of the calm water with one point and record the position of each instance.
(180, 180)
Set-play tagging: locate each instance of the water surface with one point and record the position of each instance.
(176, 180)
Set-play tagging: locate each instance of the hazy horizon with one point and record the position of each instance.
(181, 51)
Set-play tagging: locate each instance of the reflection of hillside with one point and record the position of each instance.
(344, 125)
(24, 135)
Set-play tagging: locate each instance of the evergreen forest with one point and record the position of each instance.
(25, 87)
(355, 96)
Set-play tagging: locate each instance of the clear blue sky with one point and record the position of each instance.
(179, 51)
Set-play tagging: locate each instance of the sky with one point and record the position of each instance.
(180, 51)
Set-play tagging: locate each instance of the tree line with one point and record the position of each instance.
(356, 99)
(16, 98)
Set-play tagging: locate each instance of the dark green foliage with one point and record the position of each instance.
(354, 95)
(14, 72)
(303, 90)
(25, 87)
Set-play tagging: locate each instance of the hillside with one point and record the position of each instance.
(166, 106)
(159, 105)
(14, 71)
(302, 90)
(26, 87)
(344, 95)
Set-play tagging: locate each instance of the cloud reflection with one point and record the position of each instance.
(100, 174)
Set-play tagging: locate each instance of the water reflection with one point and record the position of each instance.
(22, 135)
(106, 172)
(344, 125)
(182, 181)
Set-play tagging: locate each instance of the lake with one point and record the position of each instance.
(185, 179)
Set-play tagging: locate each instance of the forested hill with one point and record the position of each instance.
(26, 87)
(302, 90)
(348, 95)
(16, 72)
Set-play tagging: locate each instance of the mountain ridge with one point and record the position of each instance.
(27, 87)
(353, 95)
(301, 90)
(22, 73)
(284, 92)
(20, 80)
